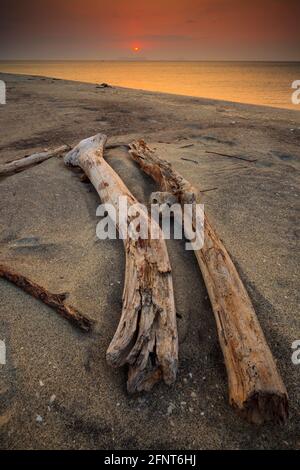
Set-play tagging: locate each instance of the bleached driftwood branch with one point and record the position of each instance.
(56, 301)
(256, 389)
(146, 337)
(26, 162)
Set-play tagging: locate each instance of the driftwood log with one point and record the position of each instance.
(256, 389)
(55, 301)
(26, 162)
(146, 338)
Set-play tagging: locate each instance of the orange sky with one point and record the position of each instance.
(161, 29)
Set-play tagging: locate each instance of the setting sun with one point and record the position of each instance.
(136, 49)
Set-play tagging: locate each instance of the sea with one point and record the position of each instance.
(259, 83)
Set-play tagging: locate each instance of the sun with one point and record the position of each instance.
(136, 49)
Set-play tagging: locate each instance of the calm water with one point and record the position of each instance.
(257, 83)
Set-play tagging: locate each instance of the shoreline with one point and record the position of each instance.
(154, 89)
(212, 101)
(244, 110)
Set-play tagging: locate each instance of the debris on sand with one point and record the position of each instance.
(104, 85)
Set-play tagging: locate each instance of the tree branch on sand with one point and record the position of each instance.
(21, 164)
(55, 301)
(146, 338)
(256, 389)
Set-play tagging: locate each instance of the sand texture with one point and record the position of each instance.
(56, 390)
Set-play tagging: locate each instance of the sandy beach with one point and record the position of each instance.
(56, 390)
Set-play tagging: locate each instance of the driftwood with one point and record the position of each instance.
(256, 389)
(55, 301)
(26, 162)
(146, 338)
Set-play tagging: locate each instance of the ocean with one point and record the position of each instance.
(262, 83)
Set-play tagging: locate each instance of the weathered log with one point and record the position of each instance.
(256, 389)
(55, 301)
(26, 162)
(146, 338)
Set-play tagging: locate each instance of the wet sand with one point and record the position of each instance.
(56, 390)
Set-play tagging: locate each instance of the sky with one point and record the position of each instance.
(150, 29)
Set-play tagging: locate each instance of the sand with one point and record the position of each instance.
(56, 390)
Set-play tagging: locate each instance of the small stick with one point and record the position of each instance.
(55, 301)
(26, 162)
(232, 156)
(189, 160)
(207, 190)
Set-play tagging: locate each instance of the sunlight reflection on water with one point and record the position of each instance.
(256, 83)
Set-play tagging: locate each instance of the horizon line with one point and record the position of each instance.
(152, 60)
